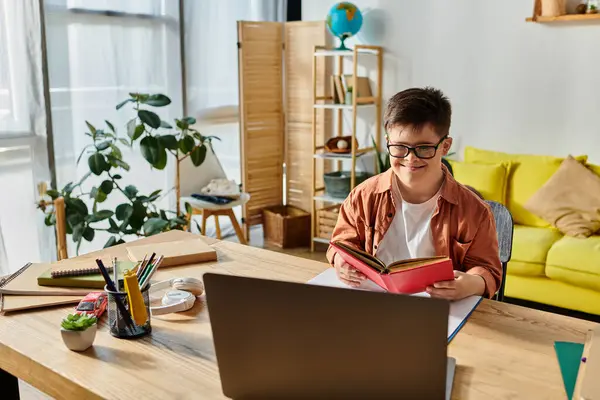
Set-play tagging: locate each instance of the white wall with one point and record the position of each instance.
(514, 86)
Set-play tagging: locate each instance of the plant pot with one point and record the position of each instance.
(79, 340)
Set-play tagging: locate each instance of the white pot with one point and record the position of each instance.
(79, 340)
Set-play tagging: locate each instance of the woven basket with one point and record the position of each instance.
(331, 145)
(326, 220)
(286, 226)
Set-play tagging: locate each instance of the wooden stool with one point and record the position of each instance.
(206, 209)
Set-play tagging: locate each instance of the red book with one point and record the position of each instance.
(405, 276)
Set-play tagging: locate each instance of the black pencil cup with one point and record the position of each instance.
(120, 321)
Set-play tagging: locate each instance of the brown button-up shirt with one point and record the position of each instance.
(462, 226)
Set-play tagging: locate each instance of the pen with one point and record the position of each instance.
(141, 266)
(110, 286)
(115, 274)
(146, 281)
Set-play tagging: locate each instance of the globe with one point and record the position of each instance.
(343, 21)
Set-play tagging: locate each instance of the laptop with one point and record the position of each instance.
(281, 340)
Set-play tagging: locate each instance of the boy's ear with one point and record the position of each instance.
(447, 145)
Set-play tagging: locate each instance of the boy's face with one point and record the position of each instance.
(411, 168)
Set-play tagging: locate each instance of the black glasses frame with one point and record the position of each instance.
(417, 149)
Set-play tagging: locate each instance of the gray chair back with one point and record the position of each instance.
(504, 231)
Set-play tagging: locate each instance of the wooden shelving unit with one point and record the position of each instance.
(322, 101)
(537, 17)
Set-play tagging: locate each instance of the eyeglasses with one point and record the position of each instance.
(425, 151)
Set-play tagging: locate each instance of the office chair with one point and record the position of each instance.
(504, 230)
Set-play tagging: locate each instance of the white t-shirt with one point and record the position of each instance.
(409, 234)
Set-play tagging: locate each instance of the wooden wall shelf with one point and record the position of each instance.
(537, 16)
(566, 18)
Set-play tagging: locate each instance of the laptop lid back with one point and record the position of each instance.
(289, 340)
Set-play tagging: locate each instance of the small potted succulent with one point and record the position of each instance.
(79, 331)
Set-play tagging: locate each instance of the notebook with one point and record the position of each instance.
(175, 253)
(11, 302)
(24, 282)
(93, 281)
(460, 310)
(403, 276)
(78, 267)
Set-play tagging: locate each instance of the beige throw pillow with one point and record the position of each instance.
(569, 200)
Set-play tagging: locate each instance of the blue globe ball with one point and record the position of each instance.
(343, 21)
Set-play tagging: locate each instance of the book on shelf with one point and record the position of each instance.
(403, 276)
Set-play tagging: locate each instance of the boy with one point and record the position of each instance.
(416, 208)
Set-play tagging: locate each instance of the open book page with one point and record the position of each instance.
(414, 263)
(365, 257)
(459, 310)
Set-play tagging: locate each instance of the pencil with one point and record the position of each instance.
(141, 266)
(115, 274)
(111, 286)
(146, 281)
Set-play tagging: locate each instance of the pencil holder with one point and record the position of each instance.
(120, 322)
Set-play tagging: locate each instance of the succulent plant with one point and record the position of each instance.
(78, 322)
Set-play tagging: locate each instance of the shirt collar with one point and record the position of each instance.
(449, 187)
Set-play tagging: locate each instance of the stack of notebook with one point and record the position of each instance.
(68, 281)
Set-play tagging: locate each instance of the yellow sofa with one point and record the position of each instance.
(546, 266)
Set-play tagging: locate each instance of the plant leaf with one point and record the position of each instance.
(123, 165)
(78, 232)
(106, 186)
(124, 142)
(131, 127)
(188, 208)
(181, 124)
(88, 234)
(139, 130)
(50, 219)
(117, 176)
(161, 163)
(83, 151)
(91, 128)
(130, 191)
(113, 228)
(189, 120)
(78, 205)
(124, 211)
(168, 142)
(154, 225)
(54, 194)
(110, 126)
(116, 152)
(101, 215)
(198, 155)
(149, 118)
(121, 104)
(157, 100)
(97, 163)
(149, 148)
(165, 124)
(103, 145)
(110, 242)
(186, 144)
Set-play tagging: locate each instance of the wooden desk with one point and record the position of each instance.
(503, 351)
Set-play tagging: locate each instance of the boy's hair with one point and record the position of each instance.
(419, 107)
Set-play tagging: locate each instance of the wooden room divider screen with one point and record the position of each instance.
(276, 105)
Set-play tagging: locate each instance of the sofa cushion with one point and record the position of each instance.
(531, 244)
(570, 200)
(528, 174)
(575, 261)
(530, 247)
(489, 180)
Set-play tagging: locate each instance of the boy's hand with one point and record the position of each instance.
(347, 274)
(464, 285)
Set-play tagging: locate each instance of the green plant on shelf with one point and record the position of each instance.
(137, 214)
(78, 322)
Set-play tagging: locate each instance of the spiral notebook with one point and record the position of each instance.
(78, 267)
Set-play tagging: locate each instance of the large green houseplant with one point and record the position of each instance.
(137, 214)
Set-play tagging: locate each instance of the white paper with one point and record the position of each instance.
(459, 310)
